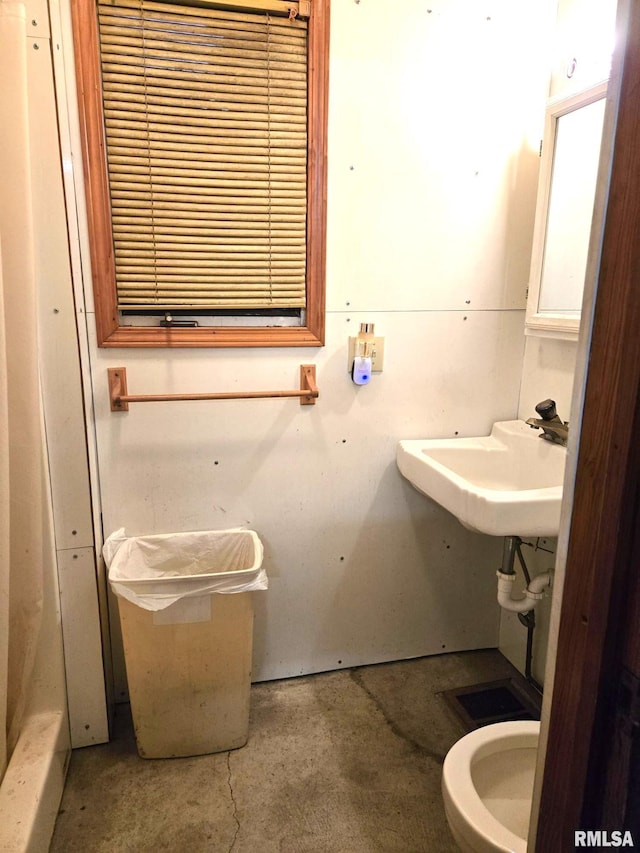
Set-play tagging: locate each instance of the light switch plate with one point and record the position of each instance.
(377, 356)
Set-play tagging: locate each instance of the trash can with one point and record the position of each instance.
(186, 614)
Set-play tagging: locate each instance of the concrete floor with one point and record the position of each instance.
(342, 762)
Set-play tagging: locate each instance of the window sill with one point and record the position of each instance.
(213, 336)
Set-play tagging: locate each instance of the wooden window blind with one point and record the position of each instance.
(205, 114)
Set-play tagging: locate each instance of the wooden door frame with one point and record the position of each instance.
(602, 571)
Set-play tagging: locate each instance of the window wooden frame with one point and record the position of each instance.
(110, 332)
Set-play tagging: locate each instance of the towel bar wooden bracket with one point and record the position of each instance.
(120, 399)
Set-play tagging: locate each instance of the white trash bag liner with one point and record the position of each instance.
(156, 571)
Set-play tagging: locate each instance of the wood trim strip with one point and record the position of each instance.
(318, 106)
(87, 52)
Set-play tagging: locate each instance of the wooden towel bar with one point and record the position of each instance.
(120, 399)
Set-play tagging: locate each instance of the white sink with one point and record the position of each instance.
(508, 483)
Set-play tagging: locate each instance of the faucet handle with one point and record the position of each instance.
(547, 410)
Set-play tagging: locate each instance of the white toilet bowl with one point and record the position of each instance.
(487, 785)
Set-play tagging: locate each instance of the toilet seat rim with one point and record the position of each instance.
(459, 792)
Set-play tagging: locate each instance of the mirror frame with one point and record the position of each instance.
(549, 323)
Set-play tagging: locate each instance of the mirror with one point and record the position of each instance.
(566, 196)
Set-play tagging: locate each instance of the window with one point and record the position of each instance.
(204, 128)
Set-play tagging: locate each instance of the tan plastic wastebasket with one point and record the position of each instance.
(188, 664)
(189, 682)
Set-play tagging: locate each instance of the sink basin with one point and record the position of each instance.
(508, 483)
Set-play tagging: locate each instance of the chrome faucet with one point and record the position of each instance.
(553, 428)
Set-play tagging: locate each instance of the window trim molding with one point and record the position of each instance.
(109, 331)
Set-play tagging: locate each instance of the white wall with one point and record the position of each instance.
(547, 371)
(31, 787)
(76, 597)
(435, 118)
(584, 32)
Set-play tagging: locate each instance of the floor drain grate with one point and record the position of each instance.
(494, 702)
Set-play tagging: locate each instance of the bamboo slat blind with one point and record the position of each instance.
(206, 130)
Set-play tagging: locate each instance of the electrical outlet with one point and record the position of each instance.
(377, 354)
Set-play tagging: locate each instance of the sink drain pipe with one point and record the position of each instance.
(532, 594)
(507, 575)
(524, 607)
